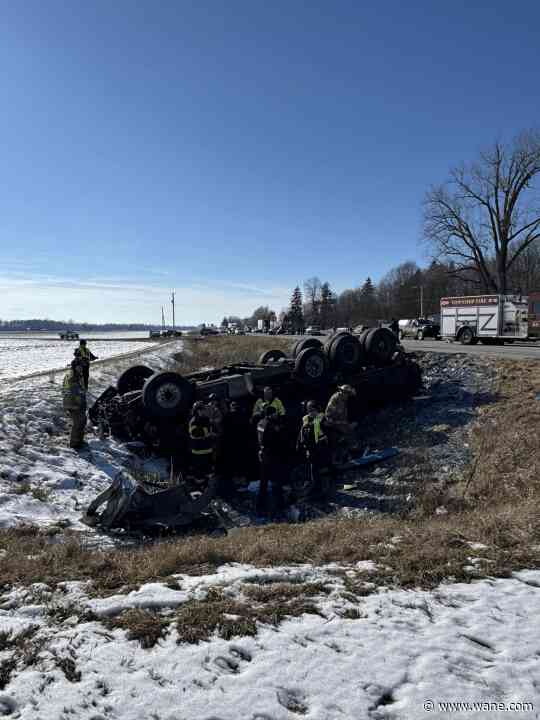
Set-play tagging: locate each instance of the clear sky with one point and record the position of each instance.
(231, 149)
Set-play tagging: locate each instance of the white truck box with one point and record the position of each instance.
(473, 317)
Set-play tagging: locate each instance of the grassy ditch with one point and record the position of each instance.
(495, 505)
(227, 350)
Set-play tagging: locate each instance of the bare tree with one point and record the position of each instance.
(312, 299)
(487, 215)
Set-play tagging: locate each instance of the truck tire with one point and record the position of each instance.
(380, 345)
(133, 378)
(466, 336)
(100, 403)
(271, 356)
(420, 335)
(345, 353)
(309, 342)
(311, 366)
(167, 395)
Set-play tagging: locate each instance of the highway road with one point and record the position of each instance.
(516, 351)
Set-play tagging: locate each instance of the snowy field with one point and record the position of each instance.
(404, 655)
(21, 357)
(103, 335)
(43, 481)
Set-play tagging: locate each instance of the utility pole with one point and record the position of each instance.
(162, 319)
(172, 303)
(421, 301)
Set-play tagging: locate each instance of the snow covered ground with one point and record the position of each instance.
(42, 480)
(405, 655)
(20, 358)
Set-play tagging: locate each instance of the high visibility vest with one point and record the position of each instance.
(72, 391)
(316, 422)
(261, 404)
(200, 444)
(85, 353)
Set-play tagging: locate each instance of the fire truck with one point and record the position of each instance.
(534, 316)
(489, 318)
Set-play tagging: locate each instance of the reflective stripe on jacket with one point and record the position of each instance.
(201, 441)
(261, 404)
(318, 433)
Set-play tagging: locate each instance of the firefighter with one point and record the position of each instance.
(201, 440)
(267, 399)
(270, 439)
(337, 416)
(237, 447)
(87, 356)
(313, 443)
(74, 401)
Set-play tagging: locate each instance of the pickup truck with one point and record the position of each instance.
(69, 335)
(419, 329)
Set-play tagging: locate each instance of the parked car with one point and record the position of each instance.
(419, 329)
(313, 330)
(209, 331)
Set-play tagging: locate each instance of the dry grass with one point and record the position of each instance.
(507, 439)
(142, 625)
(23, 648)
(198, 620)
(216, 351)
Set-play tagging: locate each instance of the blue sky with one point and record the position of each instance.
(232, 149)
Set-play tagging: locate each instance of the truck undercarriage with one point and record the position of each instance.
(155, 407)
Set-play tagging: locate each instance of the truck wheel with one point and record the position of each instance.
(466, 337)
(133, 378)
(101, 403)
(420, 335)
(380, 345)
(311, 366)
(167, 395)
(309, 342)
(345, 353)
(271, 356)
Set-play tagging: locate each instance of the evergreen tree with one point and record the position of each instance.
(327, 307)
(296, 313)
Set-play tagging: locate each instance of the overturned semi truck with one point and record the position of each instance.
(154, 407)
(148, 406)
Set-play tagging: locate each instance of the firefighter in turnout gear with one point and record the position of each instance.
(337, 416)
(313, 443)
(268, 399)
(74, 401)
(270, 438)
(87, 356)
(201, 440)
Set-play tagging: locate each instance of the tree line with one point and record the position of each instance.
(39, 324)
(481, 230)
